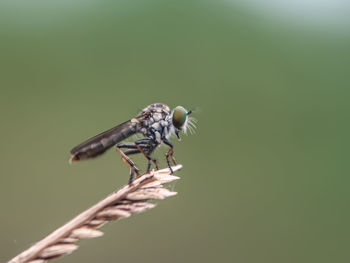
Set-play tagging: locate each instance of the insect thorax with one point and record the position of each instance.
(158, 122)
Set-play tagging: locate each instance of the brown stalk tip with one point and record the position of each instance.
(130, 199)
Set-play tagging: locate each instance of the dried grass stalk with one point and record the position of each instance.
(128, 200)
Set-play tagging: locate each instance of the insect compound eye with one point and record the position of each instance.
(179, 117)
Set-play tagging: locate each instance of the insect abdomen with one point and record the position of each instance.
(97, 145)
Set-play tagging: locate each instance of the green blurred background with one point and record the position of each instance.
(266, 175)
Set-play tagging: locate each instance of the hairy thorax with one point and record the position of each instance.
(158, 124)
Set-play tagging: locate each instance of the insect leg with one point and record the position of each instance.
(170, 153)
(132, 166)
(141, 146)
(127, 145)
(131, 151)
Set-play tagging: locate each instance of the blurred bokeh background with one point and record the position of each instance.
(265, 177)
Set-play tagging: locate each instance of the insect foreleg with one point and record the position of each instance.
(170, 153)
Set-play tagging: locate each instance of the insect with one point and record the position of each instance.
(157, 123)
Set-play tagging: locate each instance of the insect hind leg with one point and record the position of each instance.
(126, 159)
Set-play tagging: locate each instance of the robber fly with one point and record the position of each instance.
(156, 123)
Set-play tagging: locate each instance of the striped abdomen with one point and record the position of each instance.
(98, 144)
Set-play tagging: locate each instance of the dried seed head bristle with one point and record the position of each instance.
(130, 199)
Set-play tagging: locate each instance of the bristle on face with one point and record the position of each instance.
(190, 125)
